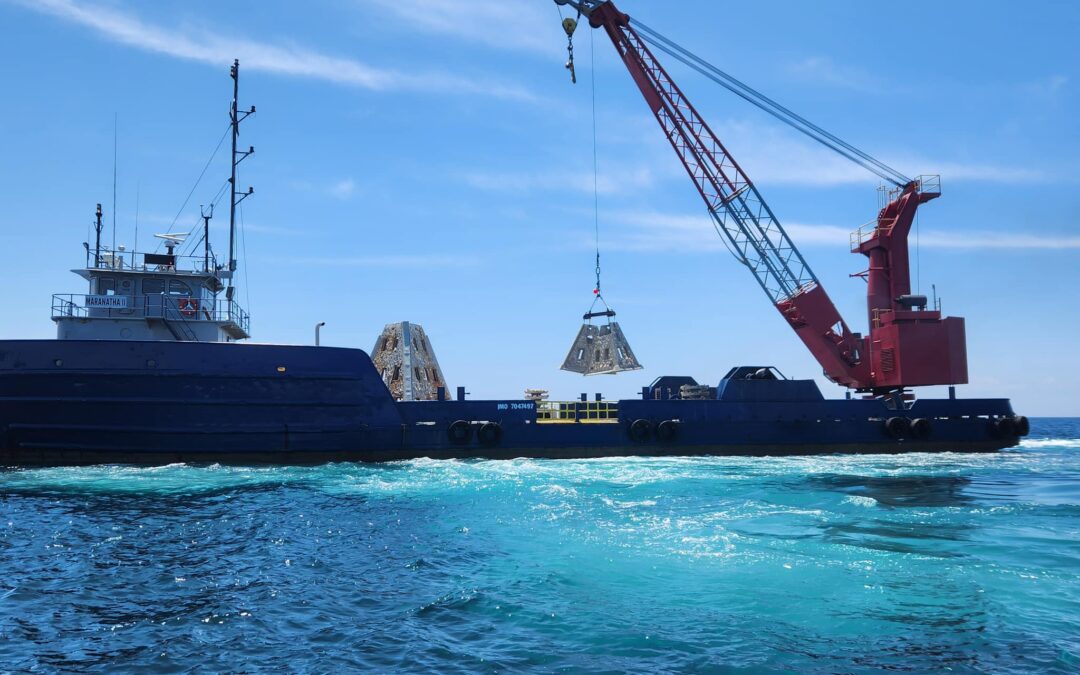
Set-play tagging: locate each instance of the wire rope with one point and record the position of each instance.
(189, 245)
(770, 106)
(918, 256)
(595, 163)
(243, 251)
(199, 179)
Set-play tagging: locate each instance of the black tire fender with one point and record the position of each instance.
(1022, 425)
(459, 432)
(897, 427)
(489, 434)
(1004, 427)
(641, 430)
(667, 431)
(921, 428)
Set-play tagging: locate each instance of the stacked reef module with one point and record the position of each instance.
(406, 362)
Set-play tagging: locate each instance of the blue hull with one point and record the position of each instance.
(85, 402)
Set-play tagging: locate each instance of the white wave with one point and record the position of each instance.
(1050, 443)
(860, 500)
(630, 505)
(555, 490)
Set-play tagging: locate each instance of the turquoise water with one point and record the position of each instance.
(816, 564)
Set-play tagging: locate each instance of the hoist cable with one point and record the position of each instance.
(770, 106)
(918, 256)
(595, 165)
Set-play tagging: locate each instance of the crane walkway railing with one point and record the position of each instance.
(865, 232)
(926, 184)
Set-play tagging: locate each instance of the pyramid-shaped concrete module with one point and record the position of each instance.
(600, 350)
(406, 362)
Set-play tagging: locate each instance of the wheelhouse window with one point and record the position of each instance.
(106, 285)
(153, 286)
(177, 287)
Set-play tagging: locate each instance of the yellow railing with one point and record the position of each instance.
(568, 412)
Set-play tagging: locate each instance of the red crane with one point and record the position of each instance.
(908, 345)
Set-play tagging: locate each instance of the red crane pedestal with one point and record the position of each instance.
(914, 349)
(908, 344)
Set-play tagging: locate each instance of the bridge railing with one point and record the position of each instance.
(158, 306)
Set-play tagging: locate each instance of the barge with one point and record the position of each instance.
(75, 402)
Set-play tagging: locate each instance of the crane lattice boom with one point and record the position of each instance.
(898, 324)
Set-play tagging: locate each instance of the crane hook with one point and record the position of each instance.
(570, 25)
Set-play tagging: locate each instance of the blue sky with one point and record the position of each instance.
(428, 160)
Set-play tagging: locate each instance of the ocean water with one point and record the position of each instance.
(916, 563)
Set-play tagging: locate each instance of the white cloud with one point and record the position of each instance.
(986, 172)
(1057, 82)
(773, 155)
(997, 240)
(255, 228)
(208, 47)
(823, 70)
(1046, 86)
(653, 231)
(770, 154)
(156, 219)
(417, 261)
(519, 25)
(618, 181)
(343, 189)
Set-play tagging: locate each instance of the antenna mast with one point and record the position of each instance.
(116, 117)
(97, 238)
(206, 216)
(236, 118)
